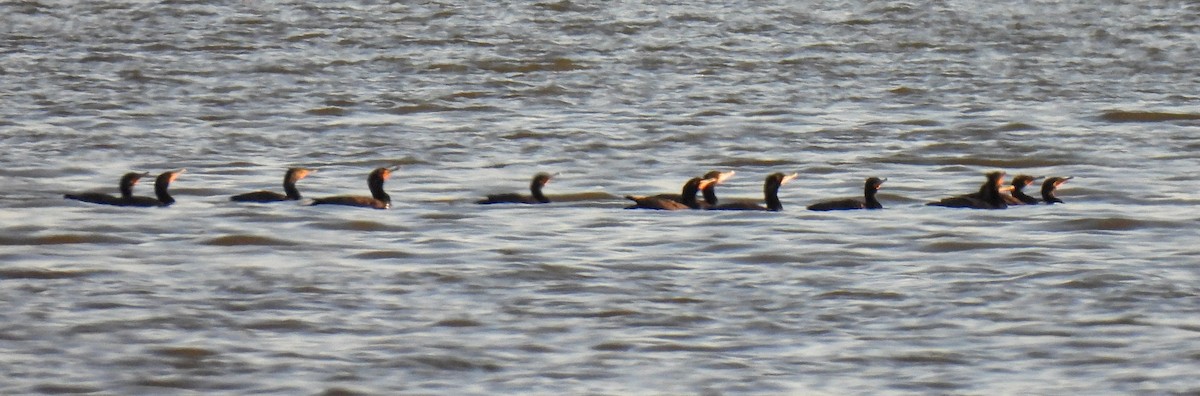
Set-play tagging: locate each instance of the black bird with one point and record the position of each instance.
(290, 178)
(709, 191)
(535, 188)
(1050, 185)
(125, 185)
(378, 199)
(161, 196)
(770, 193)
(688, 196)
(872, 186)
(988, 196)
(1017, 196)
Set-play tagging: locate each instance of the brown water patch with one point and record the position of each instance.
(958, 246)
(1111, 224)
(860, 295)
(383, 254)
(340, 391)
(611, 313)
(60, 389)
(905, 91)
(677, 300)
(279, 325)
(1018, 126)
(246, 240)
(1146, 116)
(357, 225)
(327, 111)
(921, 122)
(419, 108)
(175, 383)
(554, 65)
(613, 346)
(458, 323)
(451, 363)
(930, 357)
(192, 353)
(63, 239)
(677, 347)
(38, 273)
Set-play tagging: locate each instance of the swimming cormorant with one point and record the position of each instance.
(161, 196)
(689, 197)
(290, 178)
(1017, 196)
(870, 187)
(770, 193)
(125, 186)
(1050, 185)
(535, 188)
(379, 199)
(988, 196)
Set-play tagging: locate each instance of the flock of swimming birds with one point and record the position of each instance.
(992, 194)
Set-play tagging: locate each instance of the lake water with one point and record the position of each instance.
(439, 296)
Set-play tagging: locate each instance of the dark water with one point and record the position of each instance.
(439, 296)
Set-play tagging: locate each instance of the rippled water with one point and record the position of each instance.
(440, 296)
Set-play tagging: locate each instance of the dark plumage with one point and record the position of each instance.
(689, 197)
(871, 187)
(1017, 196)
(535, 188)
(125, 186)
(709, 191)
(379, 199)
(161, 196)
(988, 196)
(770, 193)
(290, 178)
(1050, 185)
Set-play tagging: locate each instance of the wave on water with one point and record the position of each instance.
(244, 240)
(63, 239)
(1147, 116)
(45, 274)
(1111, 224)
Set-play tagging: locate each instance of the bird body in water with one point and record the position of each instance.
(688, 197)
(290, 178)
(770, 194)
(125, 186)
(870, 187)
(535, 188)
(988, 196)
(1050, 185)
(1017, 196)
(161, 196)
(709, 191)
(379, 199)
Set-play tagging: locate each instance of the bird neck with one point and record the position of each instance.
(710, 194)
(376, 186)
(990, 192)
(160, 191)
(289, 188)
(1021, 195)
(536, 190)
(871, 201)
(1049, 197)
(771, 193)
(688, 195)
(126, 190)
